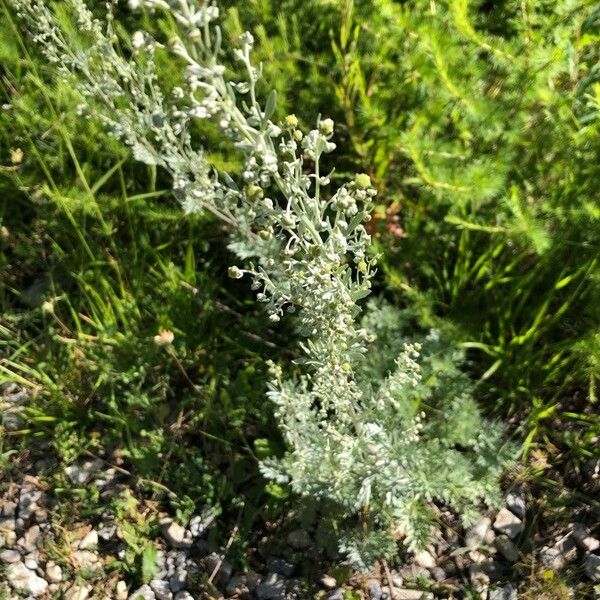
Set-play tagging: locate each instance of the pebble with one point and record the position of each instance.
(199, 524)
(10, 556)
(298, 539)
(479, 533)
(516, 504)
(85, 559)
(53, 572)
(8, 509)
(143, 593)
(438, 574)
(272, 588)
(7, 538)
(412, 572)
(183, 596)
(28, 502)
(107, 532)
(591, 565)
(424, 559)
(508, 523)
(374, 589)
(77, 592)
(8, 524)
(22, 579)
(121, 590)
(89, 541)
(337, 594)
(161, 589)
(175, 534)
(328, 582)
(178, 580)
(225, 569)
(281, 566)
(479, 578)
(507, 592)
(80, 474)
(559, 555)
(507, 548)
(30, 540)
(237, 586)
(585, 541)
(407, 594)
(30, 562)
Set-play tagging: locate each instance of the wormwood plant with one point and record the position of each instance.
(381, 440)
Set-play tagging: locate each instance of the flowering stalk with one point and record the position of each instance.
(365, 444)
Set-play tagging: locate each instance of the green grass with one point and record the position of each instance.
(96, 259)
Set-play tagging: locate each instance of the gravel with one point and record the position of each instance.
(175, 535)
(480, 533)
(508, 523)
(591, 565)
(25, 580)
(10, 556)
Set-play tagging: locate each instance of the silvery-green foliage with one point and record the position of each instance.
(379, 438)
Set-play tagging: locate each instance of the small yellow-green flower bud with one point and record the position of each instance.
(298, 135)
(254, 191)
(326, 126)
(291, 121)
(234, 272)
(362, 181)
(264, 234)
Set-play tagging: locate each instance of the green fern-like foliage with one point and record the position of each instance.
(419, 439)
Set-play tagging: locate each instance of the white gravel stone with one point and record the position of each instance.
(175, 535)
(328, 582)
(183, 596)
(24, 580)
(28, 502)
(8, 509)
(80, 474)
(53, 572)
(508, 523)
(77, 592)
(478, 533)
(10, 556)
(507, 548)
(584, 539)
(161, 589)
(143, 593)
(121, 590)
(89, 541)
(29, 542)
(406, 594)
(85, 559)
(516, 504)
(507, 592)
(591, 565)
(425, 559)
